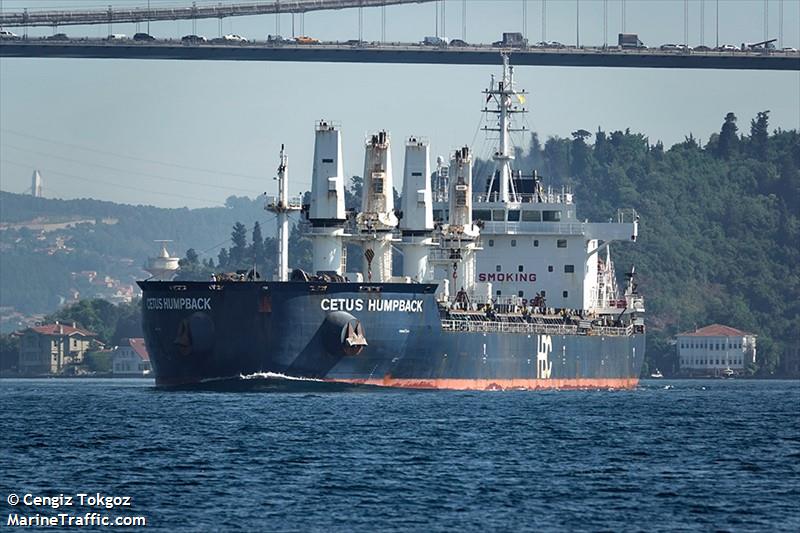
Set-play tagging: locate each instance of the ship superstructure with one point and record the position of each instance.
(501, 285)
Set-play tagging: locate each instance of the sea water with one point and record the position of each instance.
(688, 455)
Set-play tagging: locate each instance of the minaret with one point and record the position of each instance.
(281, 206)
(326, 213)
(36, 184)
(503, 95)
(377, 219)
(416, 225)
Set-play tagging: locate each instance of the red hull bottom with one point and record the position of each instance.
(496, 384)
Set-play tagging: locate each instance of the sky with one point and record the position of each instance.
(183, 133)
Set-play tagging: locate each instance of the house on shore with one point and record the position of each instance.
(52, 348)
(130, 359)
(715, 350)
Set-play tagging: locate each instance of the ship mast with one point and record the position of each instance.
(281, 206)
(503, 95)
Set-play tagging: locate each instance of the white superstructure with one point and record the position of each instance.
(501, 238)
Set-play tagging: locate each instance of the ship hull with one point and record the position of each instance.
(199, 332)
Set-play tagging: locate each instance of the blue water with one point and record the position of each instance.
(688, 455)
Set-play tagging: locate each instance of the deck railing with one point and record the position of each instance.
(527, 327)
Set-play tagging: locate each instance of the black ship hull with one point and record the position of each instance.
(387, 334)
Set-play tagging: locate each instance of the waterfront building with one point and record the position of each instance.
(52, 348)
(715, 350)
(130, 358)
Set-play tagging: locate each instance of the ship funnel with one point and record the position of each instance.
(461, 188)
(327, 183)
(378, 195)
(416, 201)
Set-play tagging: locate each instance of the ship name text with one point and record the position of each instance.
(179, 304)
(358, 304)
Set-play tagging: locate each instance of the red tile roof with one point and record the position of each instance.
(137, 344)
(715, 330)
(62, 329)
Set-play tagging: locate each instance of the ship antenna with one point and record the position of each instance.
(504, 94)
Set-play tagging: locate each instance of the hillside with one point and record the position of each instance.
(46, 242)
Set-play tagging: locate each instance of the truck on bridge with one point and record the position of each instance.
(629, 40)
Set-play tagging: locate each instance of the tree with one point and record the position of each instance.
(223, 259)
(728, 140)
(257, 251)
(759, 135)
(353, 194)
(238, 252)
(579, 162)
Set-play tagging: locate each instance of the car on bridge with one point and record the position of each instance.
(57, 37)
(143, 37)
(304, 39)
(459, 43)
(726, 48)
(193, 39)
(6, 35)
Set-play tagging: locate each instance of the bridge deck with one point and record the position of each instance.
(400, 53)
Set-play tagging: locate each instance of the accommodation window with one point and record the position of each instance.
(535, 243)
(551, 216)
(571, 268)
(561, 243)
(531, 216)
(498, 268)
(327, 160)
(544, 294)
(549, 268)
(521, 294)
(565, 294)
(519, 268)
(491, 242)
(498, 293)
(481, 214)
(513, 243)
(513, 215)
(498, 215)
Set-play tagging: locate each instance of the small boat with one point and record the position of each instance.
(728, 373)
(657, 374)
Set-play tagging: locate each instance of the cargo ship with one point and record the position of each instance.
(502, 288)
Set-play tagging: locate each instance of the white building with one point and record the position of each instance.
(131, 359)
(715, 350)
